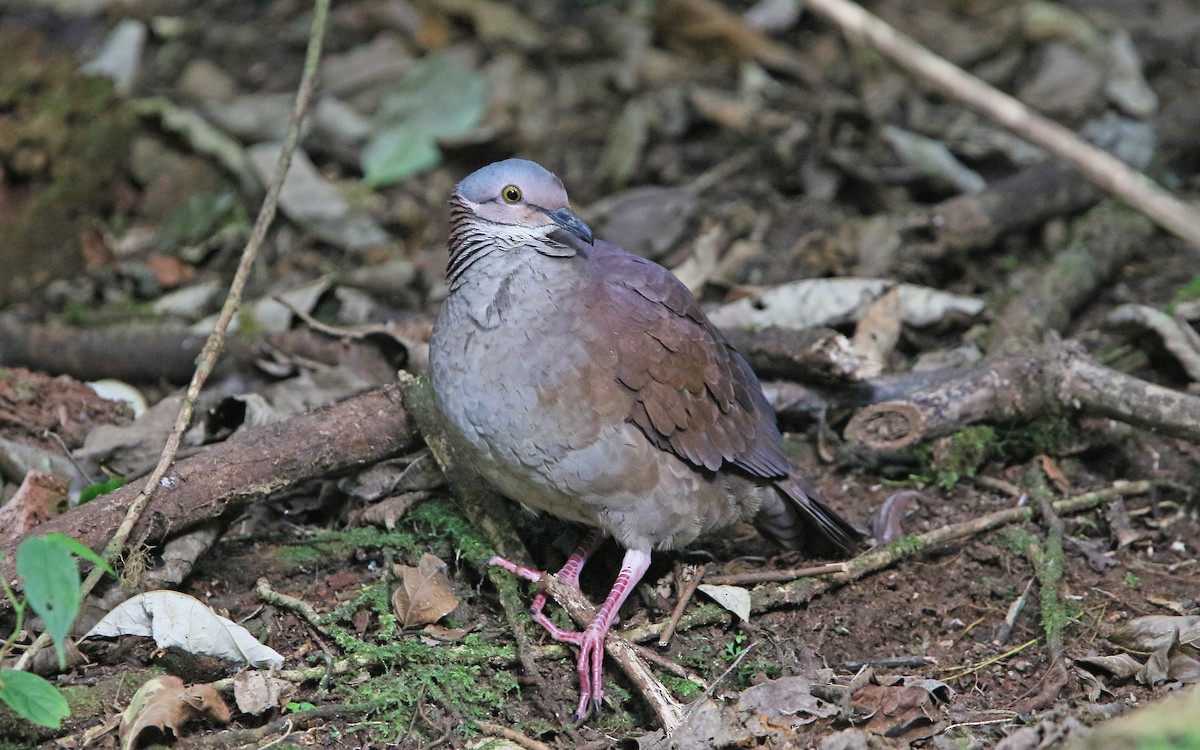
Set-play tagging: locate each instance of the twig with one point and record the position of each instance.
(686, 590)
(1014, 611)
(665, 707)
(512, 735)
(775, 576)
(1048, 564)
(269, 595)
(992, 660)
(667, 665)
(893, 662)
(1103, 169)
(216, 340)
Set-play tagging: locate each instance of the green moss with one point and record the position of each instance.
(1017, 540)
(346, 543)
(908, 545)
(440, 520)
(451, 675)
(1041, 436)
(960, 455)
(1049, 561)
(683, 689)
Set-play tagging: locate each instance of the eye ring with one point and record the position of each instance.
(511, 194)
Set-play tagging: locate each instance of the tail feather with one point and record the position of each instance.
(795, 516)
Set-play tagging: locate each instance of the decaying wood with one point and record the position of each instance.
(135, 354)
(817, 355)
(1101, 243)
(906, 410)
(226, 477)
(1025, 199)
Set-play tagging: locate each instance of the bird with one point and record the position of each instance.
(586, 382)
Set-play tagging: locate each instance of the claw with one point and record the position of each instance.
(590, 642)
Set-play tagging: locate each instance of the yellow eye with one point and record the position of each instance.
(511, 194)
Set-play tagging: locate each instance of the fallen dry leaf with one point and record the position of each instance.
(257, 692)
(166, 703)
(182, 621)
(32, 504)
(909, 712)
(878, 332)
(1173, 645)
(424, 595)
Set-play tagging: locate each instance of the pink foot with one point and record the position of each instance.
(590, 665)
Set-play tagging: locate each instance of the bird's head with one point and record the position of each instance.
(522, 195)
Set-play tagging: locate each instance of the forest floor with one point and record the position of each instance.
(744, 147)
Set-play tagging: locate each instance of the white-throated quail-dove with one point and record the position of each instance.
(586, 382)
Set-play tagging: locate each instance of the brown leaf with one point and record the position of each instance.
(257, 692)
(166, 703)
(898, 711)
(389, 510)
(96, 251)
(887, 524)
(33, 503)
(169, 270)
(1055, 474)
(877, 332)
(424, 596)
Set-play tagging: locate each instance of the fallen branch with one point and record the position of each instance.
(1102, 168)
(1056, 379)
(1025, 199)
(254, 463)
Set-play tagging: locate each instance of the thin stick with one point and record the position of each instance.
(512, 735)
(775, 576)
(686, 590)
(1101, 168)
(992, 660)
(216, 340)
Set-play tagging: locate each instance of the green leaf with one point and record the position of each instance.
(51, 585)
(398, 152)
(33, 698)
(93, 491)
(81, 550)
(439, 98)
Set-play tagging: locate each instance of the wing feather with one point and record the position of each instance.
(694, 394)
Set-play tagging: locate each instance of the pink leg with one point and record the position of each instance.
(569, 574)
(591, 641)
(590, 664)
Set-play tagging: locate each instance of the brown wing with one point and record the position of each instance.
(694, 395)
